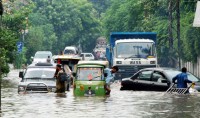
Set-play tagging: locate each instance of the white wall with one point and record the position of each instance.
(192, 67)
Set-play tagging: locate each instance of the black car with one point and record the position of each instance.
(154, 79)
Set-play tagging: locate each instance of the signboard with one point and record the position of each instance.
(19, 46)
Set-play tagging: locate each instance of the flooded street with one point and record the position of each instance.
(122, 104)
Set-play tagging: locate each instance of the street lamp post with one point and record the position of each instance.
(20, 45)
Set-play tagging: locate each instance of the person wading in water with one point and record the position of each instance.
(60, 85)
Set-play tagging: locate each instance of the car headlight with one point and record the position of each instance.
(152, 62)
(119, 62)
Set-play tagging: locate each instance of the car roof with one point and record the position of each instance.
(42, 52)
(135, 40)
(86, 53)
(42, 65)
(70, 47)
(94, 62)
(161, 69)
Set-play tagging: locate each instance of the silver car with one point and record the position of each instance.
(42, 56)
(38, 78)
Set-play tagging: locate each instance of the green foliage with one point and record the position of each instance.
(100, 6)
(3, 65)
(8, 44)
(130, 15)
(41, 35)
(74, 22)
(192, 46)
(55, 24)
(13, 21)
(152, 15)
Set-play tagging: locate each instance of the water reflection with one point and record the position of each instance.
(123, 104)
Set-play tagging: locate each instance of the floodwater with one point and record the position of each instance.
(120, 104)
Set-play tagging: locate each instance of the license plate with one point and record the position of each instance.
(135, 62)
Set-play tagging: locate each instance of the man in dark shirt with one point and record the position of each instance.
(60, 85)
(182, 79)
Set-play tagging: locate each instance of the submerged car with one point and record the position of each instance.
(154, 79)
(38, 78)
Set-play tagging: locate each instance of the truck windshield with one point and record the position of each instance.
(88, 74)
(135, 50)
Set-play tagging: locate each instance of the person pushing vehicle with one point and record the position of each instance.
(110, 77)
(182, 79)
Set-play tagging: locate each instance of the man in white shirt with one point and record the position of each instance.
(110, 77)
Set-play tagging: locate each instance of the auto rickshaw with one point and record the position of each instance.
(90, 78)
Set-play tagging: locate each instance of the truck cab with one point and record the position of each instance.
(131, 51)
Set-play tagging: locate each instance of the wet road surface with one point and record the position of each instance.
(120, 104)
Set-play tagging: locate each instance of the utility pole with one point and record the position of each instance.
(178, 31)
(170, 18)
(170, 30)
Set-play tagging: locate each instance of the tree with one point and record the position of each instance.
(41, 34)
(12, 23)
(74, 22)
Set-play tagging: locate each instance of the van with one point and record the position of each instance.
(42, 56)
(71, 50)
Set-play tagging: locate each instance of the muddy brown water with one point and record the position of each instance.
(120, 104)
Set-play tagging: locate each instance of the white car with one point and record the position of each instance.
(71, 50)
(87, 56)
(42, 57)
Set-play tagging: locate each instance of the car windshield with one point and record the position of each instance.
(34, 73)
(173, 73)
(42, 55)
(87, 74)
(69, 51)
(135, 50)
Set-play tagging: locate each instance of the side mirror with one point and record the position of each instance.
(74, 74)
(32, 58)
(105, 74)
(21, 74)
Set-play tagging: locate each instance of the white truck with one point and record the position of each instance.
(131, 51)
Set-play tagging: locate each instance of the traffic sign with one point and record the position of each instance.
(19, 46)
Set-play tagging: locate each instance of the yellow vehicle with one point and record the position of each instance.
(90, 78)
